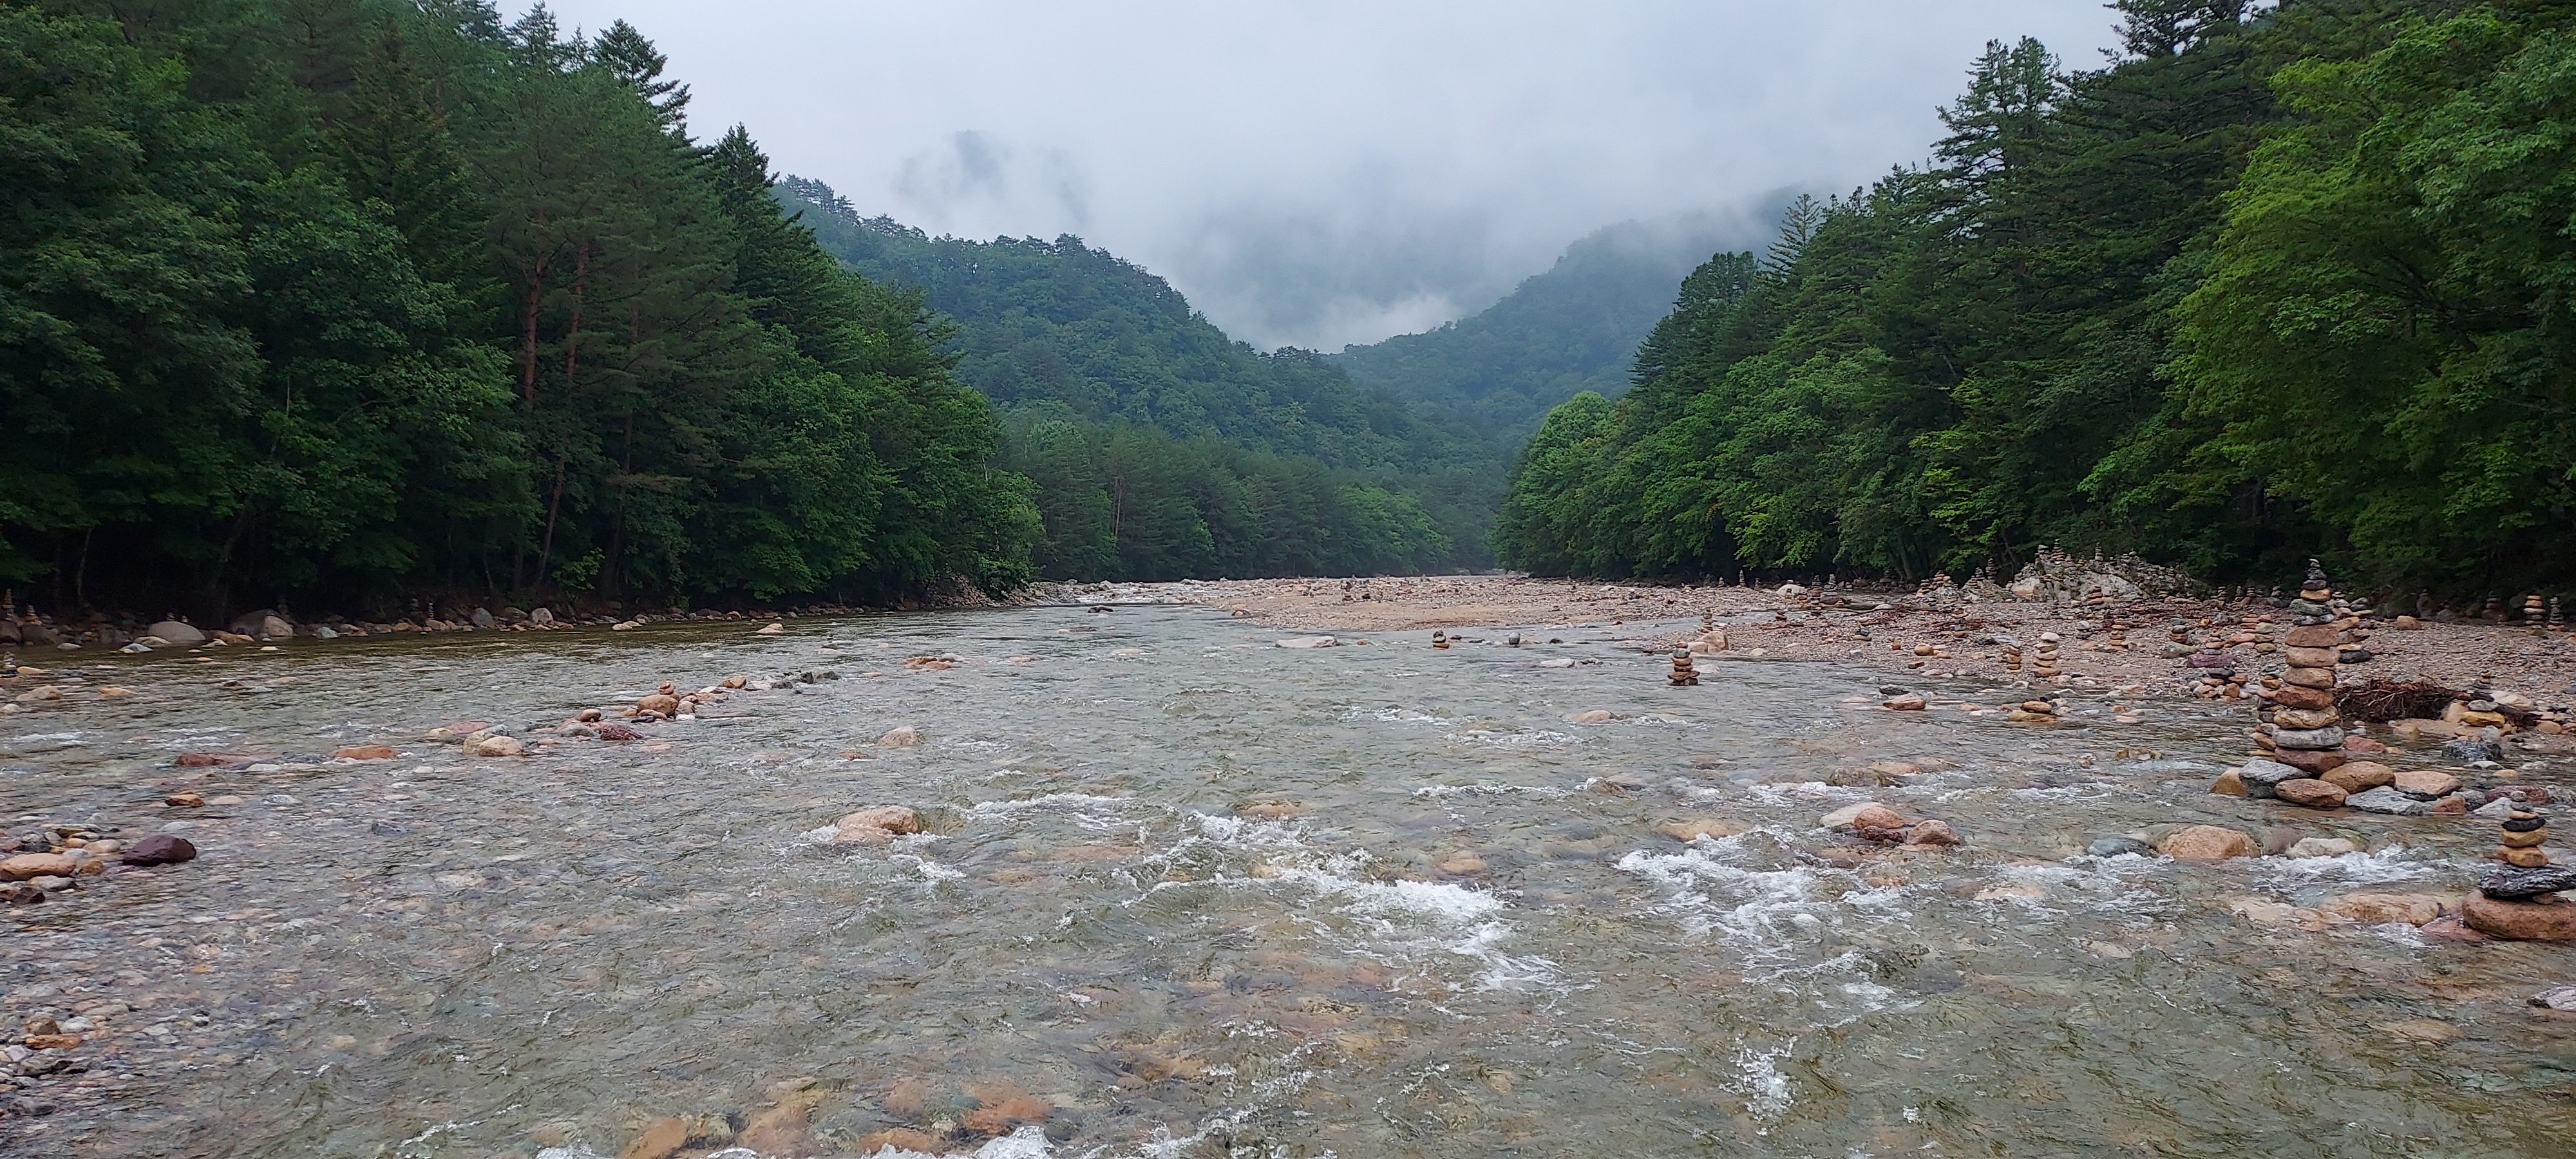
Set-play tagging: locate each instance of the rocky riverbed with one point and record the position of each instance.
(1143, 881)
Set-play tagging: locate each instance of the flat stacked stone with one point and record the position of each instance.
(1683, 673)
(2307, 727)
(2043, 664)
(2012, 656)
(2519, 839)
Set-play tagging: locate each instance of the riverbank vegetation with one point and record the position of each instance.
(350, 298)
(2270, 284)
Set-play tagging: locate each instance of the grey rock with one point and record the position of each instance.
(2173, 651)
(2263, 776)
(541, 617)
(2471, 751)
(2556, 998)
(2506, 883)
(325, 632)
(2118, 846)
(482, 619)
(38, 636)
(2389, 801)
(183, 635)
(2312, 739)
(2495, 810)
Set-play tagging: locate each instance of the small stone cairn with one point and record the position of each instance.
(2519, 899)
(2012, 656)
(2557, 622)
(1683, 673)
(2043, 664)
(2307, 728)
(2033, 711)
(1439, 638)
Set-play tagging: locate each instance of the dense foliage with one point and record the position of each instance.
(1159, 447)
(342, 299)
(1572, 328)
(2268, 285)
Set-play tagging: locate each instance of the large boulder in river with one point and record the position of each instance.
(2206, 843)
(2528, 921)
(182, 635)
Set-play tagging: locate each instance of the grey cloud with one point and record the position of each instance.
(1328, 171)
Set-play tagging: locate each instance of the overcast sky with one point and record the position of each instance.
(1319, 173)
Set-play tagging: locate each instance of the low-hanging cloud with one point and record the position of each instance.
(1316, 172)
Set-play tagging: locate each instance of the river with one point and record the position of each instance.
(1186, 893)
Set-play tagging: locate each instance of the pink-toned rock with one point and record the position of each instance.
(2229, 784)
(364, 752)
(1907, 702)
(500, 746)
(2316, 762)
(2360, 745)
(875, 825)
(2206, 843)
(660, 703)
(2525, 921)
(160, 849)
(1867, 814)
(2310, 792)
(1932, 831)
(2426, 783)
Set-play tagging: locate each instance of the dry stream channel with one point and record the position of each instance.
(1186, 893)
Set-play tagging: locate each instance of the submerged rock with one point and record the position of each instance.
(2206, 843)
(2389, 801)
(160, 849)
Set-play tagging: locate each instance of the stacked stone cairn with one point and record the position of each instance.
(2533, 610)
(2495, 608)
(2307, 728)
(2519, 899)
(2012, 655)
(2033, 711)
(2557, 622)
(2043, 664)
(1439, 639)
(1683, 673)
(2118, 634)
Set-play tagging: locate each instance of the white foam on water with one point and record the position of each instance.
(2395, 863)
(1396, 716)
(1025, 1143)
(1487, 788)
(1006, 808)
(1769, 915)
(1532, 738)
(66, 737)
(931, 870)
(1758, 1079)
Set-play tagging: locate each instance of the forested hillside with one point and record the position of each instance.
(2269, 285)
(1572, 328)
(338, 301)
(1159, 447)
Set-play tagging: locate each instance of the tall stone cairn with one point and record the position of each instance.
(2307, 728)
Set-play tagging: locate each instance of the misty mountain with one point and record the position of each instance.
(1085, 353)
(1573, 328)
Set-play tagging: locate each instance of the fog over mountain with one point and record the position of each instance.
(1327, 173)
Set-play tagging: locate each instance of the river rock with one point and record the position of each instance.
(875, 826)
(2229, 784)
(2426, 783)
(1693, 828)
(900, 736)
(2323, 847)
(1907, 702)
(2310, 792)
(1931, 831)
(2379, 909)
(2388, 800)
(2307, 699)
(771, 629)
(1308, 642)
(2309, 657)
(2306, 718)
(500, 746)
(29, 866)
(483, 619)
(2359, 776)
(2119, 847)
(542, 617)
(2262, 777)
(2206, 843)
(1867, 814)
(2507, 883)
(2320, 739)
(611, 730)
(2556, 998)
(2312, 762)
(2311, 636)
(2321, 678)
(2526, 921)
(176, 633)
(275, 627)
(2471, 750)
(1590, 716)
(364, 752)
(160, 849)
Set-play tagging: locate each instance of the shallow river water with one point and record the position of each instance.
(1460, 935)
